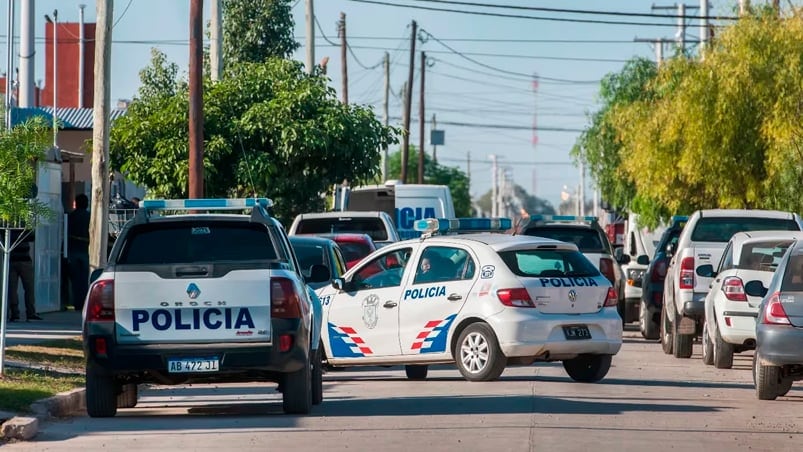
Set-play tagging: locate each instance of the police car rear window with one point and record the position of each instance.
(548, 263)
(587, 240)
(721, 229)
(207, 241)
(374, 227)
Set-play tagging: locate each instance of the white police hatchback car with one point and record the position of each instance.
(480, 300)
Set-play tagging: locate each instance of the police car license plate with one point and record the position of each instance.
(184, 365)
(576, 332)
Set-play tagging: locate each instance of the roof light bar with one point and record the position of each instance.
(679, 218)
(443, 225)
(205, 204)
(566, 218)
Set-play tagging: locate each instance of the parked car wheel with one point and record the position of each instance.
(650, 329)
(478, 355)
(297, 391)
(588, 368)
(101, 394)
(708, 347)
(681, 343)
(768, 380)
(666, 333)
(416, 372)
(317, 376)
(723, 351)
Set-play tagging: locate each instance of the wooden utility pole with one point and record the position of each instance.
(421, 121)
(408, 100)
(99, 212)
(216, 40)
(344, 69)
(386, 116)
(309, 17)
(196, 132)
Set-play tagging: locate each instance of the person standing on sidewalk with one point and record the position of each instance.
(21, 268)
(78, 250)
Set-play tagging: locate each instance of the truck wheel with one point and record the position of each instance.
(588, 368)
(101, 393)
(297, 391)
(768, 379)
(682, 343)
(317, 376)
(785, 386)
(478, 355)
(666, 333)
(649, 329)
(416, 372)
(128, 396)
(708, 347)
(723, 351)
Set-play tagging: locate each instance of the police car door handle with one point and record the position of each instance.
(454, 297)
(390, 304)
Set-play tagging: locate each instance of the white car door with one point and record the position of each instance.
(431, 300)
(363, 322)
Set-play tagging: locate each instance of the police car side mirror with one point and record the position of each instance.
(95, 275)
(318, 273)
(755, 289)
(341, 284)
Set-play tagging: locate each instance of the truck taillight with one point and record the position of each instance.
(607, 270)
(100, 303)
(687, 273)
(515, 298)
(285, 302)
(611, 299)
(734, 289)
(774, 313)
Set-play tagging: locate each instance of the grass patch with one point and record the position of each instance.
(60, 354)
(19, 388)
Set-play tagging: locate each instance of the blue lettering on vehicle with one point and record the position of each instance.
(429, 292)
(166, 319)
(568, 282)
(407, 216)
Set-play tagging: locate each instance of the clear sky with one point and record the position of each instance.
(495, 89)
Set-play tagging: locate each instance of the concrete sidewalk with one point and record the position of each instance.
(56, 325)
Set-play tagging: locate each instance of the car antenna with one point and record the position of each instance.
(518, 223)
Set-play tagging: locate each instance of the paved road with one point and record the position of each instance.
(650, 401)
(56, 325)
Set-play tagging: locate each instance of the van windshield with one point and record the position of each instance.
(374, 227)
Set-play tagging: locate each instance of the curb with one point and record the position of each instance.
(63, 404)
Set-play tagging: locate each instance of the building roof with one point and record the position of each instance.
(69, 118)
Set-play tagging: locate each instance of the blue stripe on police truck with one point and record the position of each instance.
(192, 319)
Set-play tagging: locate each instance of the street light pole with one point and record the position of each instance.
(10, 62)
(55, 22)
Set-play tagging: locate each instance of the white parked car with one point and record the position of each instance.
(730, 313)
(488, 299)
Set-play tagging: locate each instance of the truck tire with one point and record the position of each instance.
(723, 351)
(785, 387)
(650, 330)
(101, 393)
(768, 379)
(681, 343)
(128, 396)
(666, 333)
(317, 376)
(297, 391)
(708, 347)
(588, 368)
(416, 372)
(478, 355)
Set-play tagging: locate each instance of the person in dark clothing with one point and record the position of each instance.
(78, 250)
(21, 267)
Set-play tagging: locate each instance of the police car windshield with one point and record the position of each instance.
(197, 241)
(371, 226)
(587, 239)
(546, 263)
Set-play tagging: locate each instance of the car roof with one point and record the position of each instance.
(498, 242)
(198, 216)
(343, 214)
(741, 238)
(311, 240)
(751, 213)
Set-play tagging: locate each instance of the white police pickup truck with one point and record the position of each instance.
(199, 298)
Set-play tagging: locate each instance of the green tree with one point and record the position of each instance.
(533, 205)
(269, 129)
(255, 30)
(20, 148)
(436, 174)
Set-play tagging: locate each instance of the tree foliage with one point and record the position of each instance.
(436, 174)
(20, 148)
(269, 129)
(721, 132)
(255, 30)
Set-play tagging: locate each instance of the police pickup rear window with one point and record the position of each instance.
(721, 229)
(587, 240)
(374, 227)
(197, 241)
(542, 263)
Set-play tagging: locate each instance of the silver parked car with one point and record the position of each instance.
(778, 360)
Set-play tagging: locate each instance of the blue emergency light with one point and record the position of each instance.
(679, 219)
(444, 225)
(205, 204)
(564, 218)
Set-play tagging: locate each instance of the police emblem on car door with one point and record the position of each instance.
(433, 298)
(363, 321)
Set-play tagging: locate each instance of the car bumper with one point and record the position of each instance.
(694, 305)
(779, 345)
(737, 326)
(525, 333)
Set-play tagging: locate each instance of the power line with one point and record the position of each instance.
(503, 126)
(324, 34)
(507, 40)
(508, 162)
(125, 10)
(523, 77)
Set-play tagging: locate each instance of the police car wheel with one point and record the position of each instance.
(128, 396)
(317, 377)
(101, 393)
(416, 372)
(588, 368)
(478, 355)
(297, 391)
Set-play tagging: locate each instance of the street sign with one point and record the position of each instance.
(437, 137)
